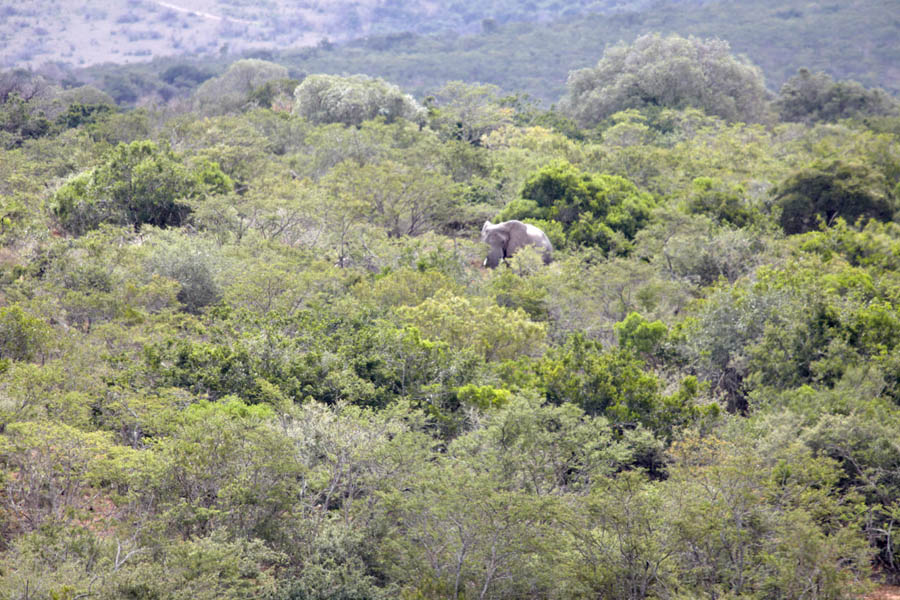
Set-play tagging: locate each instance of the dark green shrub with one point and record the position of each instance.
(810, 97)
(594, 210)
(825, 192)
(138, 183)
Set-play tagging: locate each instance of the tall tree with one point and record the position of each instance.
(352, 100)
(815, 96)
(232, 89)
(673, 72)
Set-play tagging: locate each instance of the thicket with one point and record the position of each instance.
(245, 353)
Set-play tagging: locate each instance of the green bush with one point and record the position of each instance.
(234, 89)
(640, 335)
(711, 197)
(138, 183)
(594, 210)
(22, 336)
(193, 263)
(616, 385)
(810, 97)
(825, 192)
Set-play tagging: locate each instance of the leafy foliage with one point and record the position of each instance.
(138, 183)
(671, 72)
(467, 112)
(811, 97)
(19, 123)
(826, 192)
(594, 210)
(233, 89)
(22, 336)
(352, 100)
(262, 358)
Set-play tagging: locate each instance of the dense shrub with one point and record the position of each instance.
(810, 97)
(22, 336)
(594, 210)
(823, 193)
(138, 183)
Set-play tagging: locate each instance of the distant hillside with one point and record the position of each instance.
(852, 40)
(520, 46)
(88, 32)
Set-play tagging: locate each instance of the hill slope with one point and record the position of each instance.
(527, 47)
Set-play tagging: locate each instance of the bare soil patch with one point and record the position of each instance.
(885, 592)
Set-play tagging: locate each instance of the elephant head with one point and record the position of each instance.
(507, 237)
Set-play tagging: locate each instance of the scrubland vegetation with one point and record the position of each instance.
(248, 350)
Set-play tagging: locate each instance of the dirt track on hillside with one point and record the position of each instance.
(205, 15)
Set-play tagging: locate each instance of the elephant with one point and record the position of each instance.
(508, 237)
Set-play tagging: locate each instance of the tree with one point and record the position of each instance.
(672, 72)
(542, 448)
(810, 97)
(831, 190)
(640, 335)
(744, 520)
(222, 459)
(353, 99)
(345, 210)
(138, 183)
(613, 383)
(621, 544)
(467, 111)
(859, 432)
(404, 200)
(25, 84)
(19, 122)
(714, 341)
(276, 93)
(710, 196)
(87, 95)
(594, 210)
(232, 90)
(463, 536)
(25, 103)
(478, 520)
(22, 336)
(184, 75)
(192, 262)
(695, 250)
(59, 471)
(82, 114)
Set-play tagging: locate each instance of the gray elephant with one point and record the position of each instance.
(508, 237)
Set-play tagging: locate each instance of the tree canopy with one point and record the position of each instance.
(232, 89)
(593, 209)
(352, 100)
(812, 97)
(672, 72)
(138, 183)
